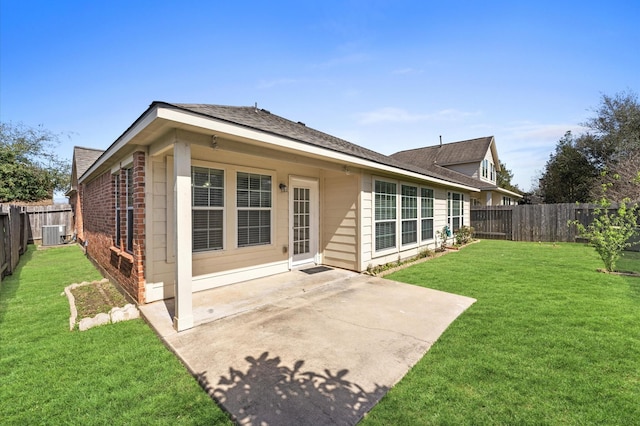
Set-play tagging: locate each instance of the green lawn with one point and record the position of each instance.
(115, 374)
(549, 341)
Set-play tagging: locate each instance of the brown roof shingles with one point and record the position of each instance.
(469, 151)
(263, 120)
(84, 158)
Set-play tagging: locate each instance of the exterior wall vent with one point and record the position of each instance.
(53, 235)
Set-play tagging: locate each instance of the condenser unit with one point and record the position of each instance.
(53, 235)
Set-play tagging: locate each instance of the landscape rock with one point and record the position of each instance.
(87, 323)
(127, 312)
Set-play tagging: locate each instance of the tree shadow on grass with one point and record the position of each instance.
(270, 393)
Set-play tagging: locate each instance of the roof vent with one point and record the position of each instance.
(440, 140)
(265, 111)
(301, 123)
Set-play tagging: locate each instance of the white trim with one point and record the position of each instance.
(273, 209)
(314, 224)
(138, 126)
(161, 290)
(217, 125)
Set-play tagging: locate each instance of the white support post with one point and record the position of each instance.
(183, 318)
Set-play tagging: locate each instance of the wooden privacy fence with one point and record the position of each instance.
(14, 237)
(54, 214)
(21, 225)
(531, 222)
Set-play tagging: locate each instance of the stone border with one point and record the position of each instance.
(127, 312)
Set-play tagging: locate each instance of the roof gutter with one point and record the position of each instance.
(177, 114)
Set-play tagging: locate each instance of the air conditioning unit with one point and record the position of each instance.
(53, 235)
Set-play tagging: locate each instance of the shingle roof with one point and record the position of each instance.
(263, 120)
(84, 158)
(469, 151)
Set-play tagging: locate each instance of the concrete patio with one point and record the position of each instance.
(300, 348)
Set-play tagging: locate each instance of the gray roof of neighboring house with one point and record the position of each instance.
(469, 151)
(84, 158)
(263, 120)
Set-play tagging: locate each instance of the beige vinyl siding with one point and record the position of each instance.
(339, 216)
(469, 169)
(232, 263)
(489, 157)
(158, 269)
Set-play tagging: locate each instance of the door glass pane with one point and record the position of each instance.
(301, 220)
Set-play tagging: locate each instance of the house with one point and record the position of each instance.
(83, 158)
(192, 197)
(473, 162)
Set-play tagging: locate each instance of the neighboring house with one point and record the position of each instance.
(192, 197)
(473, 162)
(83, 158)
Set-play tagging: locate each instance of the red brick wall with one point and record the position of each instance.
(98, 219)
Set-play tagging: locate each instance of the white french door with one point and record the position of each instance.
(303, 218)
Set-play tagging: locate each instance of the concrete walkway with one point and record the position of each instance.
(307, 349)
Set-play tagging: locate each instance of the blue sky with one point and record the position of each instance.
(387, 75)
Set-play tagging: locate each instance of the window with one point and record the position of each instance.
(254, 209)
(455, 203)
(116, 191)
(426, 213)
(129, 206)
(493, 172)
(207, 201)
(385, 215)
(506, 201)
(485, 168)
(409, 214)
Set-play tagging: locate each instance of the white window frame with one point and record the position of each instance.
(209, 208)
(384, 219)
(270, 209)
(493, 172)
(485, 168)
(451, 214)
(409, 214)
(424, 214)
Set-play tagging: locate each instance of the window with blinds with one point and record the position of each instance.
(207, 201)
(385, 215)
(253, 199)
(409, 203)
(426, 213)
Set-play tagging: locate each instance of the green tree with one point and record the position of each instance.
(568, 175)
(29, 168)
(611, 229)
(504, 177)
(614, 132)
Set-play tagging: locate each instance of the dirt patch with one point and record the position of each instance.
(623, 273)
(96, 297)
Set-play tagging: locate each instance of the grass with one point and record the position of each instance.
(114, 374)
(630, 262)
(549, 341)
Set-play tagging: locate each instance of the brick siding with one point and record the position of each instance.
(98, 221)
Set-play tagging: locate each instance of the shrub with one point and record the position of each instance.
(611, 229)
(464, 235)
